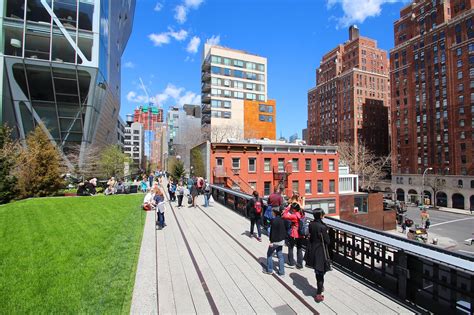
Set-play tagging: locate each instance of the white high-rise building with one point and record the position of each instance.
(229, 78)
(135, 143)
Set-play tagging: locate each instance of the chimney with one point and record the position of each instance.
(353, 32)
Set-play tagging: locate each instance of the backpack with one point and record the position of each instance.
(303, 228)
(173, 188)
(258, 207)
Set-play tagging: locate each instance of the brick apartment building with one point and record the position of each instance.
(351, 99)
(433, 88)
(432, 75)
(312, 171)
(148, 116)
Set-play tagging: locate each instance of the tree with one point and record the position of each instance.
(221, 133)
(112, 161)
(437, 184)
(38, 166)
(88, 167)
(178, 170)
(8, 152)
(197, 162)
(363, 162)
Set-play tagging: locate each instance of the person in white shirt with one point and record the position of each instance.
(148, 201)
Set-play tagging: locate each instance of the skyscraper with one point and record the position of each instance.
(232, 82)
(351, 100)
(60, 66)
(432, 79)
(148, 115)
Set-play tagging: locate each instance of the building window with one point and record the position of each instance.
(320, 164)
(361, 204)
(332, 186)
(307, 187)
(320, 186)
(236, 163)
(460, 184)
(267, 165)
(295, 186)
(307, 165)
(331, 165)
(266, 188)
(220, 161)
(281, 165)
(472, 183)
(295, 165)
(252, 164)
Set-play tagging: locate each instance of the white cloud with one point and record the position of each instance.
(179, 35)
(193, 3)
(159, 39)
(176, 95)
(164, 38)
(158, 7)
(181, 13)
(359, 10)
(129, 64)
(214, 40)
(193, 45)
(189, 98)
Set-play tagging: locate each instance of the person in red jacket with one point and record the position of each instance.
(293, 214)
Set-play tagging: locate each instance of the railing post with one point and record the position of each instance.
(403, 274)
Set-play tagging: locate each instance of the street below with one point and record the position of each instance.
(452, 228)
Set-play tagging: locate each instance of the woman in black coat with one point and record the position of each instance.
(315, 255)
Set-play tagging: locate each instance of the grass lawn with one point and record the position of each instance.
(69, 254)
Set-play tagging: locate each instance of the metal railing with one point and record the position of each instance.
(435, 279)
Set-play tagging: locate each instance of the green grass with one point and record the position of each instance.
(69, 254)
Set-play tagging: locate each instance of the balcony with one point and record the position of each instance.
(206, 87)
(206, 65)
(206, 98)
(206, 76)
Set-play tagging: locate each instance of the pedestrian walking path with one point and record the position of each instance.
(205, 263)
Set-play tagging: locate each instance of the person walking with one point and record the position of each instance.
(277, 240)
(151, 178)
(424, 217)
(294, 214)
(316, 255)
(180, 193)
(207, 193)
(254, 210)
(194, 193)
(275, 201)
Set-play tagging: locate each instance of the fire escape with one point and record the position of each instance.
(231, 178)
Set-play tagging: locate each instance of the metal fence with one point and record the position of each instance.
(437, 280)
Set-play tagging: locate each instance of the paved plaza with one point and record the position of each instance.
(204, 262)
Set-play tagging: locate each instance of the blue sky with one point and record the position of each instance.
(165, 48)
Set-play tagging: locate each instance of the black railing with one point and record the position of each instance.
(435, 279)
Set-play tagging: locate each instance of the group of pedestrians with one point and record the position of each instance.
(154, 201)
(289, 225)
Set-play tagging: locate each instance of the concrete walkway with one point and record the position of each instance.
(204, 262)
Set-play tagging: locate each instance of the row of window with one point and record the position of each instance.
(221, 114)
(266, 118)
(238, 74)
(265, 108)
(236, 94)
(238, 63)
(267, 164)
(220, 104)
(237, 84)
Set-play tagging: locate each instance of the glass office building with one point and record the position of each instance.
(60, 62)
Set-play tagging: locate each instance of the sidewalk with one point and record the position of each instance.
(443, 242)
(204, 262)
(452, 210)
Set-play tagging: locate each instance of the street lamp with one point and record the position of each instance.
(423, 185)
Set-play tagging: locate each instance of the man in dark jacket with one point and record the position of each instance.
(254, 210)
(316, 256)
(277, 240)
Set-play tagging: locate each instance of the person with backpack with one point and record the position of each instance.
(317, 255)
(180, 193)
(173, 191)
(207, 193)
(277, 240)
(294, 214)
(254, 210)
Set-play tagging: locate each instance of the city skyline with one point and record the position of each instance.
(171, 72)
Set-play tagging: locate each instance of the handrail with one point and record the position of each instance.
(433, 278)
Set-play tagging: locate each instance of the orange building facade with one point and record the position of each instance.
(260, 119)
(310, 170)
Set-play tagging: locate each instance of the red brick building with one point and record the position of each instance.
(148, 116)
(263, 165)
(432, 88)
(351, 99)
